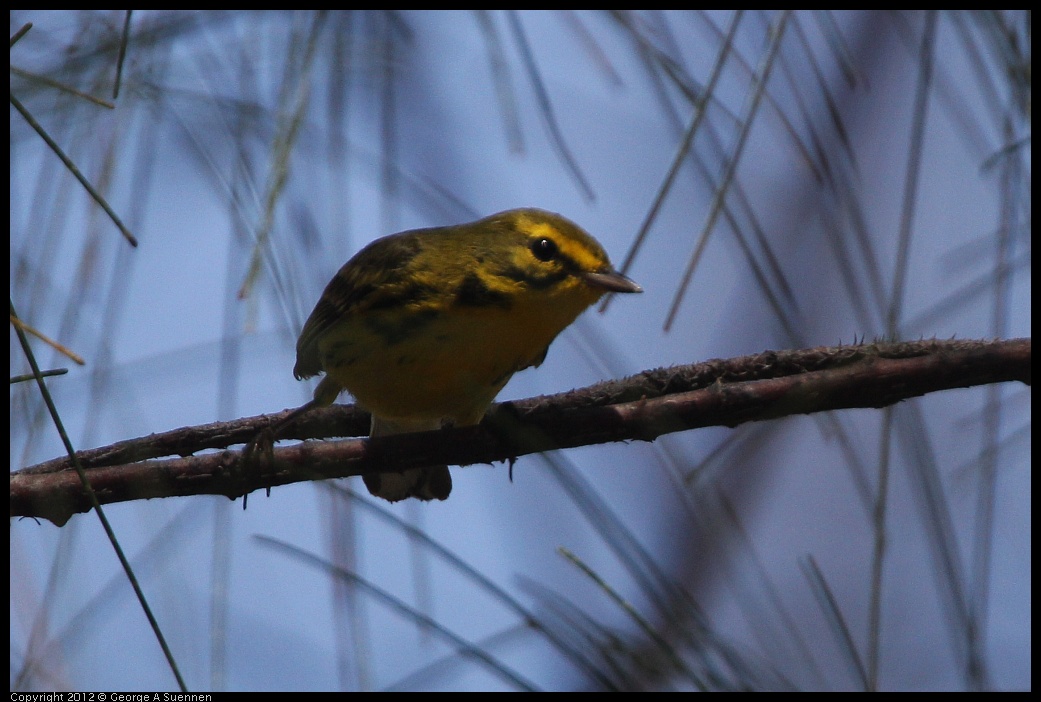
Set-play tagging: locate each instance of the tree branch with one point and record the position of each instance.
(645, 406)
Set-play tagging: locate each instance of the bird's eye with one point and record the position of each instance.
(544, 249)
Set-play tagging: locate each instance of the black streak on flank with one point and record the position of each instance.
(472, 292)
(340, 355)
(394, 329)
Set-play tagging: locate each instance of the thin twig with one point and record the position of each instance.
(73, 356)
(73, 169)
(643, 407)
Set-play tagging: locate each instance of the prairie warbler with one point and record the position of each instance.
(426, 326)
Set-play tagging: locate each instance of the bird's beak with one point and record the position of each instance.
(611, 281)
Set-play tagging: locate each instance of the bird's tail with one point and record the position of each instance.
(429, 483)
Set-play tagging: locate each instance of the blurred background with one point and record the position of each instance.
(773, 180)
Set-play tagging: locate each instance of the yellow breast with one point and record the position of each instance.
(438, 363)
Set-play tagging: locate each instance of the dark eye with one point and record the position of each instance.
(544, 249)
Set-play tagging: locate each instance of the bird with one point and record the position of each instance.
(425, 327)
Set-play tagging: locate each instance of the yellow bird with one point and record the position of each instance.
(425, 327)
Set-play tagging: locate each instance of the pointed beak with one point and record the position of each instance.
(611, 281)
